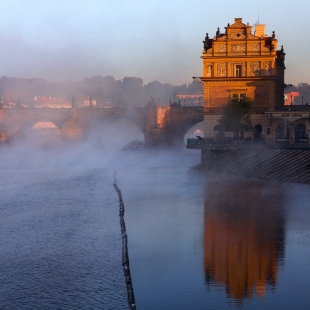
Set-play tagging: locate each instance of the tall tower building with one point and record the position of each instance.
(241, 64)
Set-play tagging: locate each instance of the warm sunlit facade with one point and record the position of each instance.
(50, 102)
(289, 98)
(241, 64)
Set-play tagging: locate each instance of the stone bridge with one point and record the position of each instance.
(160, 125)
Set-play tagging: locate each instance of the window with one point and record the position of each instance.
(238, 70)
(242, 96)
(238, 96)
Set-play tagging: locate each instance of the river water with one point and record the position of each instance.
(196, 241)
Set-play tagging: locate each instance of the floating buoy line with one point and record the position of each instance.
(125, 257)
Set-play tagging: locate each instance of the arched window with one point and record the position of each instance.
(282, 132)
(300, 132)
(257, 134)
(218, 130)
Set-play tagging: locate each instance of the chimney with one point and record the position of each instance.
(259, 30)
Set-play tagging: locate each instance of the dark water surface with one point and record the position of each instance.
(195, 241)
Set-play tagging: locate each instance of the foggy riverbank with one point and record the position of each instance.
(60, 240)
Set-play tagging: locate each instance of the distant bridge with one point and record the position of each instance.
(160, 125)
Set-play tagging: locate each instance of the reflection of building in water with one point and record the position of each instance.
(243, 237)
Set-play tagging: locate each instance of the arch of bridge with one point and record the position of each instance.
(27, 124)
(182, 127)
(106, 116)
(19, 120)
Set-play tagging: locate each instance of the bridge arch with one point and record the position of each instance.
(24, 129)
(28, 124)
(196, 130)
(106, 116)
(97, 121)
(181, 129)
(120, 132)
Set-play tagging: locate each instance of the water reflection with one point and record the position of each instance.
(244, 230)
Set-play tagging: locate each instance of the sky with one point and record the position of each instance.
(155, 40)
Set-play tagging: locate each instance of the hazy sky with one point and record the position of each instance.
(155, 40)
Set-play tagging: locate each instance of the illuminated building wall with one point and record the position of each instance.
(240, 64)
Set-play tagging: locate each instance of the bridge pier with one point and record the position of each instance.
(73, 129)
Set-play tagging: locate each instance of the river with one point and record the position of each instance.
(196, 241)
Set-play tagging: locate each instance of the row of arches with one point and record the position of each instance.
(281, 133)
(115, 135)
(123, 131)
(257, 131)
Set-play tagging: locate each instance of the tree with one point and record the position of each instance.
(304, 93)
(236, 117)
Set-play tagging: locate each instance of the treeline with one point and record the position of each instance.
(107, 91)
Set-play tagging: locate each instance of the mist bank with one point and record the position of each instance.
(107, 91)
(66, 156)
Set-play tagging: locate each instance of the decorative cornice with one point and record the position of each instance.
(222, 38)
(239, 80)
(249, 54)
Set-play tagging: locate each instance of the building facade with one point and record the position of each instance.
(239, 64)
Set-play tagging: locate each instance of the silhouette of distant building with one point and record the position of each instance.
(86, 102)
(50, 102)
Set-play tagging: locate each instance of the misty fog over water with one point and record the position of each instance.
(196, 240)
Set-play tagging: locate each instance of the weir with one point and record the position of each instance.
(286, 165)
